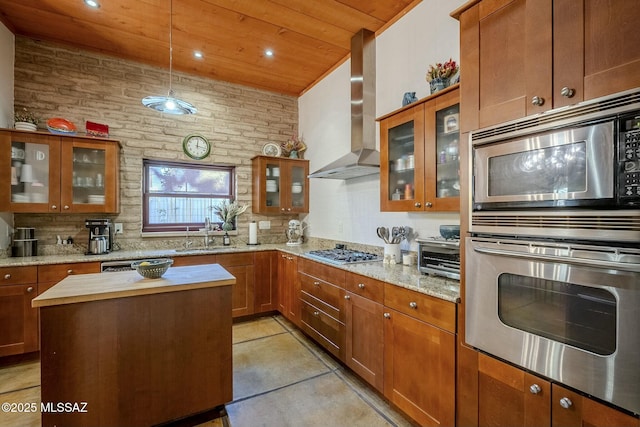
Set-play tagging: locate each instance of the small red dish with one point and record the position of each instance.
(61, 125)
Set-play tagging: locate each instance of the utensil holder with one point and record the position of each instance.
(393, 251)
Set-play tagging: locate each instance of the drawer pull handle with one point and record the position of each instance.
(535, 389)
(566, 403)
(316, 313)
(7, 276)
(347, 297)
(316, 283)
(290, 258)
(387, 315)
(361, 285)
(283, 256)
(69, 271)
(30, 289)
(413, 304)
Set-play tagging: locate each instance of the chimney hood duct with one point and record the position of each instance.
(363, 159)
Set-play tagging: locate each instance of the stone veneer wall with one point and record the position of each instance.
(57, 81)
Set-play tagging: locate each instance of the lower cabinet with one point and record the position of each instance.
(419, 355)
(266, 281)
(18, 321)
(289, 288)
(364, 328)
(508, 396)
(240, 265)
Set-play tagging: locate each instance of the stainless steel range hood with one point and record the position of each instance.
(363, 159)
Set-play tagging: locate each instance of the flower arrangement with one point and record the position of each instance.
(442, 71)
(296, 144)
(25, 115)
(227, 212)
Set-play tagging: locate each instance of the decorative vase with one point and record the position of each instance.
(227, 226)
(408, 98)
(26, 126)
(438, 83)
(293, 154)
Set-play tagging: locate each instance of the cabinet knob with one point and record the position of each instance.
(282, 209)
(535, 389)
(66, 207)
(413, 305)
(54, 207)
(69, 271)
(347, 297)
(417, 204)
(290, 258)
(566, 403)
(283, 256)
(428, 204)
(361, 285)
(536, 100)
(387, 315)
(567, 92)
(30, 289)
(316, 313)
(316, 283)
(7, 276)
(289, 209)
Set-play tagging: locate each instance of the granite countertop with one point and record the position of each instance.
(405, 276)
(96, 287)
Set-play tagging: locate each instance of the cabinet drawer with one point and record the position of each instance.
(181, 261)
(229, 260)
(429, 309)
(329, 309)
(325, 292)
(18, 275)
(326, 330)
(57, 272)
(327, 273)
(365, 287)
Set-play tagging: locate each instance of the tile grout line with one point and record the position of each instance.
(19, 389)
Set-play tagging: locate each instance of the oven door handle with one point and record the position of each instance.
(635, 268)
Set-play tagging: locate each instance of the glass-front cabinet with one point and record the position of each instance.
(44, 173)
(280, 185)
(419, 166)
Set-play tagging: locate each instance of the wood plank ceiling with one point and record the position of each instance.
(308, 37)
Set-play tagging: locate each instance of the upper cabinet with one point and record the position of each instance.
(280, 185)
(521, 57)
(44, 173)
(419, 165)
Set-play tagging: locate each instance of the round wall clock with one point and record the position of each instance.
(196, 146)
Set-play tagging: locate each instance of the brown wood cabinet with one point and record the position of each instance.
(322, 304)
(47, 173)
(18, 320)
(508, 396)
(419, 165)
(419, 357)
(526, 57)
(289, 288)
(280, 185)
(266, 281)
(364, 328)
(241, 265)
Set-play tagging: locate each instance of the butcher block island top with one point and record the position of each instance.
(121, 350)
(101, 286)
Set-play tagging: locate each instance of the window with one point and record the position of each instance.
(180, 195)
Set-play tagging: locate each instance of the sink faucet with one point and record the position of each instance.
(187, 242)
(207, 227)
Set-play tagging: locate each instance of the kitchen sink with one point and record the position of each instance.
(209, 249)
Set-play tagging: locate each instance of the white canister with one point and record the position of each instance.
(296, 188)
(393, 251)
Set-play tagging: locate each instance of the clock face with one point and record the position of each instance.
(196, 146)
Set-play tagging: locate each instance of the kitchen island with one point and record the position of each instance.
(119, 349)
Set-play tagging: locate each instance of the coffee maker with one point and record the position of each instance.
(100, 236)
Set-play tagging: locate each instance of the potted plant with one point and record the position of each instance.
(227, 212)
(25, 120)
(439, 75)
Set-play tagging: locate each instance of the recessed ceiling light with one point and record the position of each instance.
(92, 3)
(268, 52)
(198, 54)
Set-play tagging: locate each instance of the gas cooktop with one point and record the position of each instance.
(342, 256)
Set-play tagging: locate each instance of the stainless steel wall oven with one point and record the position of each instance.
(552, 264)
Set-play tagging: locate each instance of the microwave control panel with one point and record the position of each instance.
(629, 157)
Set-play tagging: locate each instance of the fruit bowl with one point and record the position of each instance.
(152, 268)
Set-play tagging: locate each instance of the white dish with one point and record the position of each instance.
(271, 149)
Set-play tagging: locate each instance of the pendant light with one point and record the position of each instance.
(169, 104)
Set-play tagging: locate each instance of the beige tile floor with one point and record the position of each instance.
(281, 378)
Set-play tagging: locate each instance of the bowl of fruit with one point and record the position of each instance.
(152, 268)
